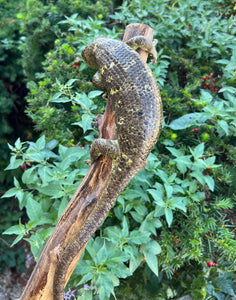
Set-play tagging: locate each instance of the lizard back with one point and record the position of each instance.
(133, 92)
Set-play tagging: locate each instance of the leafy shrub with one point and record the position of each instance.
(39, 27)
(28, 29)
(173, 227)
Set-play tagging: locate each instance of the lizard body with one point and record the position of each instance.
(135, 98)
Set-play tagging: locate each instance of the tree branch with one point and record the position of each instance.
(40, 284)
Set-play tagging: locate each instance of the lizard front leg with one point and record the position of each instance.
(104, 147)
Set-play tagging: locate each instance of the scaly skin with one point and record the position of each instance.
(136, 102)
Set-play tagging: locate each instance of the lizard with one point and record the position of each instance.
(136, 102)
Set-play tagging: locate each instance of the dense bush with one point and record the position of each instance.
(173, 227)
(28, 31)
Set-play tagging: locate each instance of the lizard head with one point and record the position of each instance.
(89, 52)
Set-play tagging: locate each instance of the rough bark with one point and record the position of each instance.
(40, 284)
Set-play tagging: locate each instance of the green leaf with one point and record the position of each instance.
(198, 176)
(34, 210)
(62, 206)
(169, 190)
(85, 123)
(52, 144)
(17, 239)
(40, 143)
(156, 197)
(94, 94)
(138, 237)
(198, 151)
(16, 229)
(18, 144)
(223, 125)
(10, 147)
(10, 193)
(121, 271)
(14, 163)
(188, 121)
(150, 250)
(30, 176)
(46, 174)
(169, 216)
(183, 163)
(154, 247)
(229, 89)
(70, 82)
(61, 100)
(55, 97)
(179, 202)
(83, 267)
(125, 227)
(210, 182)
(53, 189)
(135, 262)
(206, 96)
(175, 152)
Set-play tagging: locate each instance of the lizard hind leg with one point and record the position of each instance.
(104, 147)
(145, 44)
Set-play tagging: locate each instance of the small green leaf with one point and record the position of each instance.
(169, 190)
(70, 82)
(223, 125)
(169, 216)
(10, 147)
(206, 96)
(152, 262)
(62, 206)
(18, 144)
(85, 123)
(157, 198)
(53, 189)
(16, 229)
(229, 89)
(40, 143)
(61, 100)
(150, 250)
(175, 152)
(14, 163)
(56, 96)
(183, 163)
(210, 182)
(87, 277)
(34, 210)
(198, 151)
(188, 121)
(125, 227)
(17, 239)
(10, 193)
(52, 144)
(198, 176)
(94, 94)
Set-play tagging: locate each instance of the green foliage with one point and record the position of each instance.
(61, 65)
(39, 27)
(10, 73)
(173, 228)
(48, 182)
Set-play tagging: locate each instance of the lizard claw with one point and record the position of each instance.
(87, 162)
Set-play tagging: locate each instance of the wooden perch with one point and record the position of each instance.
(40, 284)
